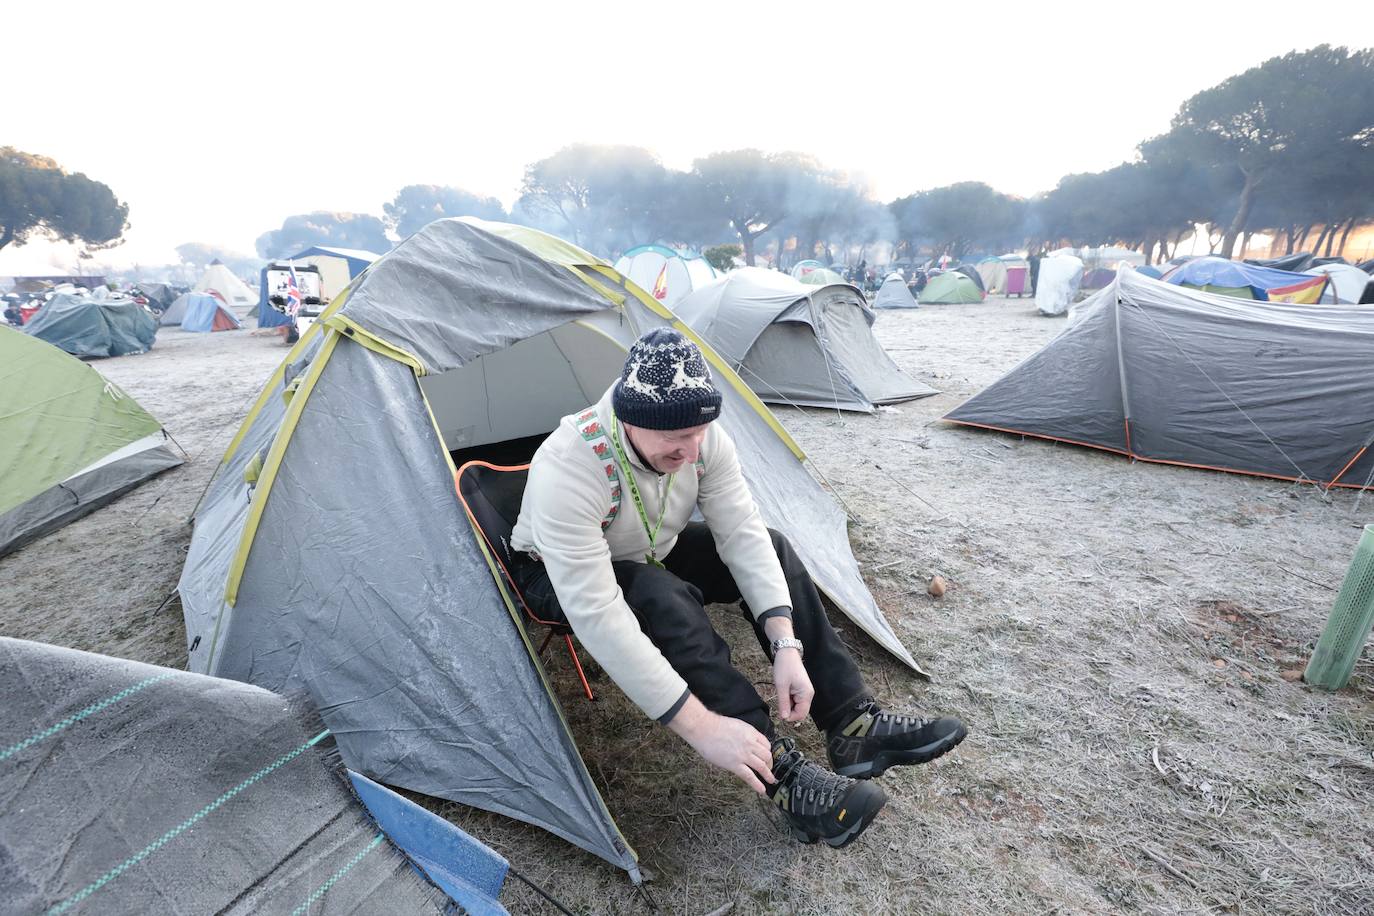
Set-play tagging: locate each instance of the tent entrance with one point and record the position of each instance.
(500, 406)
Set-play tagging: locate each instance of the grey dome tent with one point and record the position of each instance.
(331, 550)
(894, 294)
(131, 788)
(89, 328)
(1178, 376)
(797, 344)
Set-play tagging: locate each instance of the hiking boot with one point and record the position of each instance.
(874, 740)
(818, 804)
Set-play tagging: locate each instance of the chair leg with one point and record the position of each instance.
(545, 644)
(577, 663)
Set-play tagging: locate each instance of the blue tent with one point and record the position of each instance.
(202, 313)
(355, 258)
(1235, 278)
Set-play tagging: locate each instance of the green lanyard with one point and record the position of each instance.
(625, 471)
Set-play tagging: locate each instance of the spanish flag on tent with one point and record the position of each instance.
(661, 284)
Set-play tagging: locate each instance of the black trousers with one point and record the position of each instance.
(669, 604)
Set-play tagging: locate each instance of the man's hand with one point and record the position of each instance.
(789, 674)
(731, 744)
(794, 685)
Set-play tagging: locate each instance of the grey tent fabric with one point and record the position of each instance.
(89, 328)
(363, 580)
(792, 343)
(894, 294)
(130, 788)
(1173, 375)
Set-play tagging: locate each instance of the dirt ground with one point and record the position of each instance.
(1122, 640)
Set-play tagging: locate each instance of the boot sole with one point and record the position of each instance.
(884, 760)
(873, 804)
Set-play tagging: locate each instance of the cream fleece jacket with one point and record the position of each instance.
(560, 519)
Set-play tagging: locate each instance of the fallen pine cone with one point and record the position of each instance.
(937, 586)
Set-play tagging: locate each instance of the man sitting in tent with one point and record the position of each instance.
(604, 538)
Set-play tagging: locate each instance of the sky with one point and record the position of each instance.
(214, 123)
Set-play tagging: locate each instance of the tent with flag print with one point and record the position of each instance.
(346, 565)
(1247, 281)
(1166, 374)
(666, 274)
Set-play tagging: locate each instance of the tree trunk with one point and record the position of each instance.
(746, 239)
(1317, 248)
(1290, 234)
(1331, 238)
(1245, 243)
(1344, 236)
(1302, 237)
(1247, 197)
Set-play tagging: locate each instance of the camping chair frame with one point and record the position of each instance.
(507, 582)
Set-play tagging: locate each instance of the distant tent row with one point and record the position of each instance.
(70, 441)
(797, 344)
(1167, 374)
(665, 274)
(199, 312)
(90, 328)
(474, 336)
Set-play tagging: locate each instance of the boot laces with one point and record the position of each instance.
(892, 719)
(811, 781)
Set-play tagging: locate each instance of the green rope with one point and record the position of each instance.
(77, 717)
(181, 828)
(320, 891)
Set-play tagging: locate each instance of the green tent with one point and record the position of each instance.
(951, 287)
(70, 441)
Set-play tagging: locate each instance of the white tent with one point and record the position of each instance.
(1055, 288)
(798, 344)
(1349, 282)
(234, 291)
(894, 294)
(666, 274)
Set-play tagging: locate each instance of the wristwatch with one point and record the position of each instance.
(787, 642)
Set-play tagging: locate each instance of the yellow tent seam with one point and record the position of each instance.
(315, 330)
(273, 464)
(357, 333)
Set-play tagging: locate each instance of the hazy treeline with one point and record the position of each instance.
(1285, 148)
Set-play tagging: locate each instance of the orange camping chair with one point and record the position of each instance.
(491, 496)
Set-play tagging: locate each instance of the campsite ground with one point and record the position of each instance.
(1122, 639)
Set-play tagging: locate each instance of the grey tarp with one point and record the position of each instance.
(364, 581)
(894, 294)
(796, 344)
(128, 788)
(90, 328)
(1174, 375)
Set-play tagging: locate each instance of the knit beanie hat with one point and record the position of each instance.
(665, 384)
